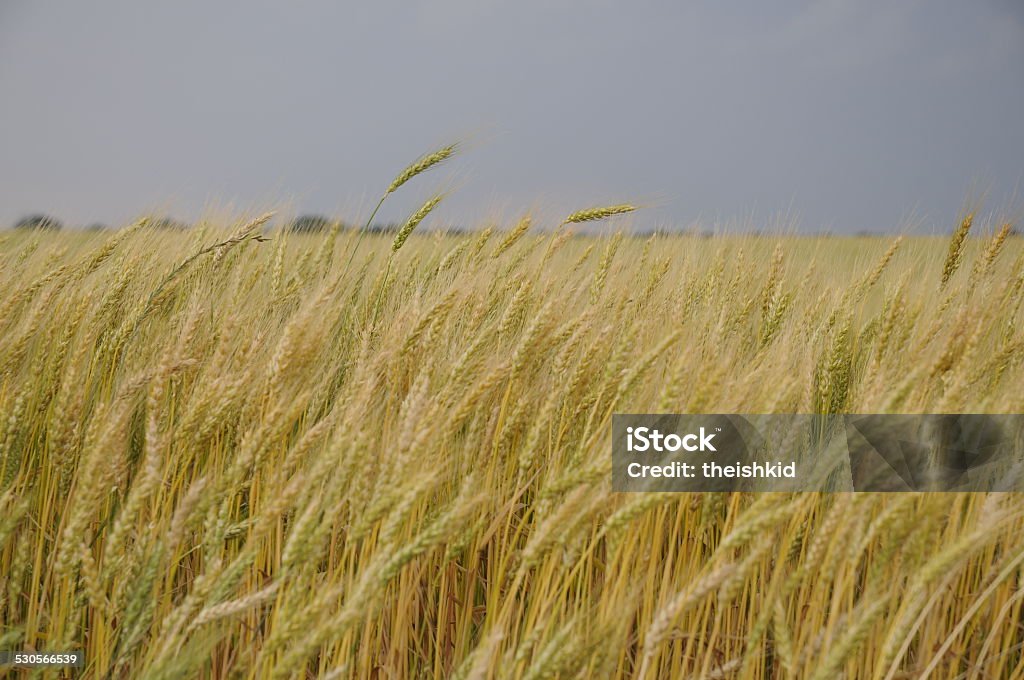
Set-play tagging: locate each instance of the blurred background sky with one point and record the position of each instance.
(836, 114)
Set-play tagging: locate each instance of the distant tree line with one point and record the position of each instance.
(311, 224)
(316, 223)
(39, 222)
(46, 222)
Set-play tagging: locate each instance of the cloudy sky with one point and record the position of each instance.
(836, 114)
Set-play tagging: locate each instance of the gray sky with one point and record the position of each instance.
(841, 114)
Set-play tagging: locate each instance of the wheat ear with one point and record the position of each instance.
(594, 214)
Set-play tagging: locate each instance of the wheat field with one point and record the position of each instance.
(248, 453)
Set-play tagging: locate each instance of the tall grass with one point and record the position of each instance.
(226, 458)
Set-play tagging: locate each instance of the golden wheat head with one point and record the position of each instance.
(956, 249)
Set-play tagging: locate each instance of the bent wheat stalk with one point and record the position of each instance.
(417, 167)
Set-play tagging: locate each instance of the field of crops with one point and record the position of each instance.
(238, 452)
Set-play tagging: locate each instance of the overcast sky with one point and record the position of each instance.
(839, 114)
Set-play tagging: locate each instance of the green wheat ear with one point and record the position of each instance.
(592, 214)
(423, 164)
(414, 221)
